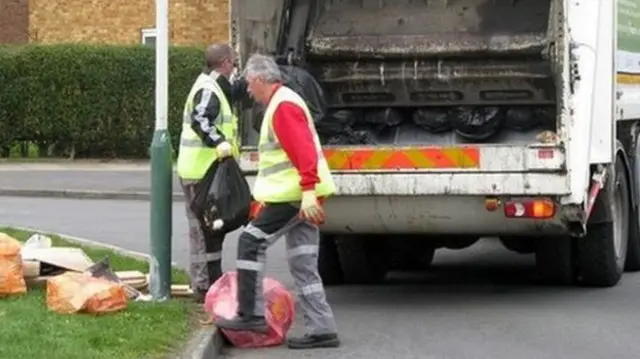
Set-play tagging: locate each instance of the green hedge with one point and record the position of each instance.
(88, 101)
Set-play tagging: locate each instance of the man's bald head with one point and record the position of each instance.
(220, 57)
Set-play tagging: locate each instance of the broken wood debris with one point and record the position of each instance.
(41, 261)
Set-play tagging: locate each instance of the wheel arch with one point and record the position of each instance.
(601, 212)
(621, 154)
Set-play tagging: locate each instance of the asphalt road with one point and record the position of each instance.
(88, 176)
(481, 302)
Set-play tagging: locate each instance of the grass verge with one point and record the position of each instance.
(143, 330)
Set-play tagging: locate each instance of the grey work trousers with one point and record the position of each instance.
(302, 241)
(205, 246)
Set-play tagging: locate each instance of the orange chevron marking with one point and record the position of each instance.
(402, 158)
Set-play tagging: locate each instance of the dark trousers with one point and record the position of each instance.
(205, 246)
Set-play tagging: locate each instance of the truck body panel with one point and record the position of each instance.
(628, 60)
(576, 61)
(428, 44)
(436, 203)
(444, 159)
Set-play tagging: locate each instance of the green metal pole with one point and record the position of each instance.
(161, 169)
(161, 202)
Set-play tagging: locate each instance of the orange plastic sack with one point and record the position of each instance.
(11, 277)
(73, 292)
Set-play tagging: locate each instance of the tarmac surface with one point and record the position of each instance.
(479, 303)
(113, 178)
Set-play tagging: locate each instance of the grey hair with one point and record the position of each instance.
(264, 67)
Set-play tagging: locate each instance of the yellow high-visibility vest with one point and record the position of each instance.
(194, 157)
(278, 181)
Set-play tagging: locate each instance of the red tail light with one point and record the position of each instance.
(532, 208)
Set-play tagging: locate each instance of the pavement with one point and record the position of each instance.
(477, 303)
(86, 179)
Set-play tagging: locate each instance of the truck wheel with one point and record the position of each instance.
(417, 259)
(521, 245)
(554, 260)
(328, 261)
(364, 260)
(602, 252)
(632, 262)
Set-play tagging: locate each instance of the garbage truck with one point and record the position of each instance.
(450, 120)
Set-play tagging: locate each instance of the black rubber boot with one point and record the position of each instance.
(314, 341)
(254, 324)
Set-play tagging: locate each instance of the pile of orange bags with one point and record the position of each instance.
(73, 292)
(11, 276)
(70, 292)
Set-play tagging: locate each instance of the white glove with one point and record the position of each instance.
(218, 224)
(224, 149)
(311, 209)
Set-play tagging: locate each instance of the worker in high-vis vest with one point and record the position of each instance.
(209, 132)
(292, 181)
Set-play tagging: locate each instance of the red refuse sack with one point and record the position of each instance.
(221, 302)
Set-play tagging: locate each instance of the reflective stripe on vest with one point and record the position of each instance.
(273, 145)
(223, 119)
(195, 157)
(277, 179)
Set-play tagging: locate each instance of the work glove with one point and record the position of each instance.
(224, 149)
(311, 209)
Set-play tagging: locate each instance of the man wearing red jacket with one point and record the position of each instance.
(293, 178)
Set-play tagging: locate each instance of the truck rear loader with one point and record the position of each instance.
(515, 119)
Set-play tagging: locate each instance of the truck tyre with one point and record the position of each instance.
(632, 262)
(364, 260)
(328, 262)
(521, 245)
(414, 260)
(554, 260)
(603, 250)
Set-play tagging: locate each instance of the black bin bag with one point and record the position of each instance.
(304, 84)
(223, 194)
(477, 123)
(383, 119)
(432, 120)
(338, 122)
(521, 119)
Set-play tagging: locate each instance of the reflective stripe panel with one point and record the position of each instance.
(192, 142)
(403, 158)
(249, 265)
(269, 146)
(255, 231)
(225, 119)
(215, 256)
(311, 289)
(278, 167)
(302, 250)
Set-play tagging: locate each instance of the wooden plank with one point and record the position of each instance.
(181, 290)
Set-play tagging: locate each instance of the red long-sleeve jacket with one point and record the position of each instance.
(291, 127)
